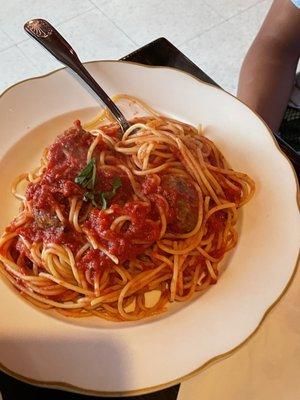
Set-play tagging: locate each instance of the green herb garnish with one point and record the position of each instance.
(117, 183)
(87, 176)
(103, 200)
(87, 179)
(90, 196)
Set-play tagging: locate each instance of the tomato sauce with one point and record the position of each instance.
(66, 159)
(134, 236)
(216, 222)
(231, 194)
(63, 235)
(181, 198)
(94, 260)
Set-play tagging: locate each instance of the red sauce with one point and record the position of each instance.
(94, 260)
(113, 130)
(231, 194)
(218, 253)
(198, 261)
(67, 155)
(216, 222)
(105, 182)
(177, 197)
(123, 244)
(66, 158)
(150, 185)
(63, 235)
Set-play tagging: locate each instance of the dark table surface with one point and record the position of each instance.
(160, 53)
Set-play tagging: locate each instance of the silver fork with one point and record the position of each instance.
(43, 32)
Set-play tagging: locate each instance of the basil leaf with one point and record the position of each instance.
(103, 200)
(88, 196)
(117, 183)
(87, 176)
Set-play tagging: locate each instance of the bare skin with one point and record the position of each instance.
(268, 71)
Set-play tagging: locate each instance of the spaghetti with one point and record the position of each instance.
(109, 219)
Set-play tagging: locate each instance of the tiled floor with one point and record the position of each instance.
(215, 34)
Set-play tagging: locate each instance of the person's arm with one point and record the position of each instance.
(268, 72)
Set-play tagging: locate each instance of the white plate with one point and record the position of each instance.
(90, 355)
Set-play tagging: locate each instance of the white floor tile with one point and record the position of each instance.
(14, 13)
(93, 37)
(5, 41)
(144, 21)
(229, 8)
(42, 59)
(220, 52)
(14, 67)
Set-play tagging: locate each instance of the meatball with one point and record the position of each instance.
(182, 198)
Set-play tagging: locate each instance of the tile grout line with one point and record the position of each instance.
(7, 48)
(59, 24)
(31, 74)
(29, 59)
(207, 29)
(93, 8)
(212, 9)
(115, 25)
(22, 53)
(200, 34)
(223, 22)
(10, 45)
(238, 13)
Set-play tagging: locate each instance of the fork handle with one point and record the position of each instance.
(43, 32)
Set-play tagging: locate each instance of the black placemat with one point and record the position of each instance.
(161, 52)
(13, 389)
